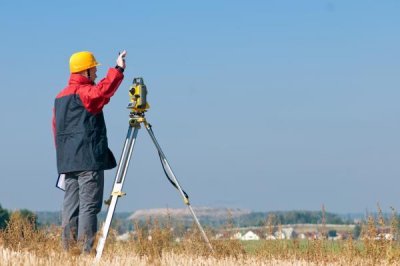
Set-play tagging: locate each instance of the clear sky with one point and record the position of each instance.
(262, 105)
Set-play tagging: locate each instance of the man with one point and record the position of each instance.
(81, 145)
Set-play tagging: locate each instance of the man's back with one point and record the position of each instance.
(80, 130)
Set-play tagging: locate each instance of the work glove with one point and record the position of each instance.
(121, 59)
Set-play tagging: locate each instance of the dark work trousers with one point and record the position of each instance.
(82, 202)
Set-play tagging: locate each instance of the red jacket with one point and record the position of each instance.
(78, 123)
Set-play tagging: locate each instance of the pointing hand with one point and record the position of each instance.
(121, 59)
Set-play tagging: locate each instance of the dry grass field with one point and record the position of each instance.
(23, 244)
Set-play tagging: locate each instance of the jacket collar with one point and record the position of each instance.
(79, 79)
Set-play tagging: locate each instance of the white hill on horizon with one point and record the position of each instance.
(184, 212)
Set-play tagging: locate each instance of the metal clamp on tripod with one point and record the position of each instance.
(138, 106)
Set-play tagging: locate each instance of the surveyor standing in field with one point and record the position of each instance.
(81, 145)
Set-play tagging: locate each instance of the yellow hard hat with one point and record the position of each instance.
(82, 61)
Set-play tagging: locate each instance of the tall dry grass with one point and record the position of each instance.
(21, 243)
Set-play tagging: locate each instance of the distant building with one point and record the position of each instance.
(302, 236)
(338, 236)
(284, 233)
(250, 236)
(289, 231)
(388, 237)
(270, 237)
(219, 236)
(279, 235)
(237, 235)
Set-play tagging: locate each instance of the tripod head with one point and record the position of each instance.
(138, 97)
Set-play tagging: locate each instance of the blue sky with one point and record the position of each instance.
(262, 105)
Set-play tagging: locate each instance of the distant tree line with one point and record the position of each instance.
(122, 224)
(288, 217)
(5, 216)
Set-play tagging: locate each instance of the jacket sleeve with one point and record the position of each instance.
(94, 97)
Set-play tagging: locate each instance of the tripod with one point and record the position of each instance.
(136, 119)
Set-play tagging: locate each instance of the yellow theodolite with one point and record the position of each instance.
(138, 96)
